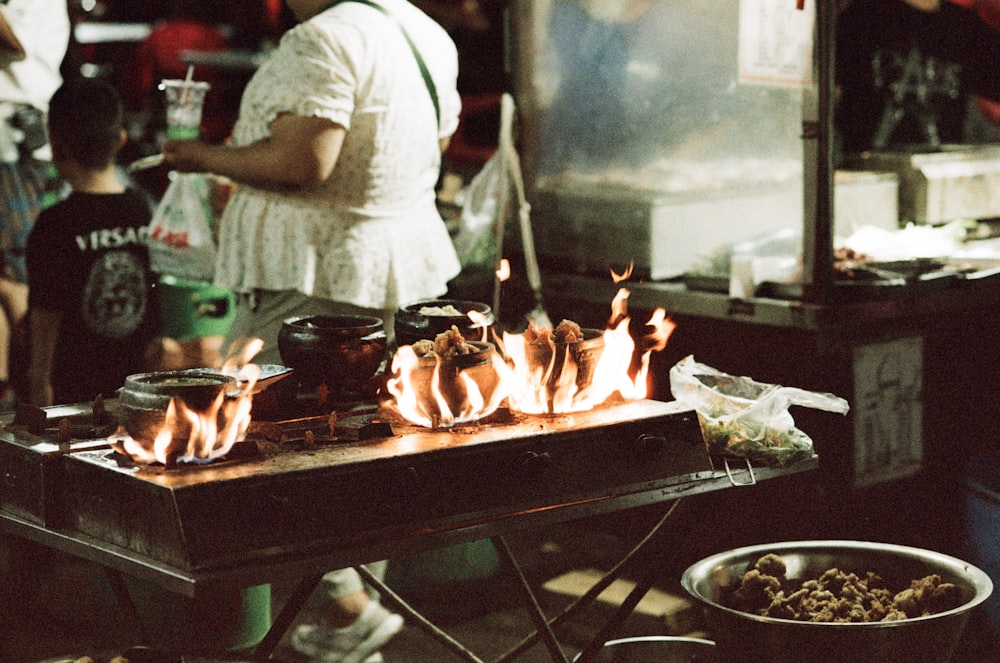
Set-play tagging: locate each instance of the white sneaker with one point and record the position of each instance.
(357, 643)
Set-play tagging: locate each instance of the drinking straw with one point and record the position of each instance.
(186, 90)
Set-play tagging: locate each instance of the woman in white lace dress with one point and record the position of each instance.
(336, 151)
(336, 154)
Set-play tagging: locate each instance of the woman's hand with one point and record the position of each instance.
(187, 156)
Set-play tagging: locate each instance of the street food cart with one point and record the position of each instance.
(699, 149)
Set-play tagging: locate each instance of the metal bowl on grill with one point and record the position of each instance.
(750, 638)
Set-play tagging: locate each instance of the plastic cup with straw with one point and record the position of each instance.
(185, 99)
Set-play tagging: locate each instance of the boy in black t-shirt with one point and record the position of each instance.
(93, 317)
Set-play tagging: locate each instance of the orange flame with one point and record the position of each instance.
(541, 377)
(625, 276)
(538, 389)
(211, 432)
(441, 396)
(503, 273)
(480, 320)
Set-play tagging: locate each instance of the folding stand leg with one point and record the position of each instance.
(591, 594)
(288, 613)
(541, 623)
(416, 618)
(127, 605)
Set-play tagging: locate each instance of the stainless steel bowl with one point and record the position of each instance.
(748, 638)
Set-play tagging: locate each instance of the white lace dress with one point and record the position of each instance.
(371, 235)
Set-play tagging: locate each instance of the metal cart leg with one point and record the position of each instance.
(127, 605)
(591, 594)
(416, 618)
(541, 623)
(289, 611)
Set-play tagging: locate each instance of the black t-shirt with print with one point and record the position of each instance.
(888, 50)
(87, 259)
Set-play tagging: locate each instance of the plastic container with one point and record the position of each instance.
(982, 525)
(185, 102)
(194, 310)
(221, 620)
(442, 567)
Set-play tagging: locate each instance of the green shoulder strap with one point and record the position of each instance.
(424, 72)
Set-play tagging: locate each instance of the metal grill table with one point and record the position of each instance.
(296, 514)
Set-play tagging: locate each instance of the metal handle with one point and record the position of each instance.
(732, 480)
(650, 443)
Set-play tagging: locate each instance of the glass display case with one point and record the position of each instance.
(663, 133)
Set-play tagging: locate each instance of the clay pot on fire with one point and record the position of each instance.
(412, 325)
(144, 398)
(341, 351)
(585, 354)
(453, 371)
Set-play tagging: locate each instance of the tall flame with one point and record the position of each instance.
(440, 396)
(537, 377)
(539, 388)
(210, 433)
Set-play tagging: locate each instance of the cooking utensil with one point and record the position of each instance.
(267, 374)
(145, 396)
(512, 170)
(750, 638)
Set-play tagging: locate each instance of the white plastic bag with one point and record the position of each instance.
(181, 241)
(744, 418)
(475, 242)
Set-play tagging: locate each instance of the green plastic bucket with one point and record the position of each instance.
(194, 310)
(460, 563)
(223, 620)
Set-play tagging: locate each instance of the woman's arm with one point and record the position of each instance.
(300, 152)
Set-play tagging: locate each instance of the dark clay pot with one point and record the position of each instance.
(411, 325)
(341, 351)
(144, 398)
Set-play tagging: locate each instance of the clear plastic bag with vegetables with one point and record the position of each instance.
(745, 418)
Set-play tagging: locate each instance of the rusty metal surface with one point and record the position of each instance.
(238, 511)
(286, 514)
(31, 444)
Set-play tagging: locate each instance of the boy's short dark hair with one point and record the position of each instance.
(86, 117)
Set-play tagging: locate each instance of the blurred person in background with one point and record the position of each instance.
(336, 154)
(906, 70)
(982, 121)
(34, 37)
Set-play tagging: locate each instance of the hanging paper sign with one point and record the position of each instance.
(776, 42)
